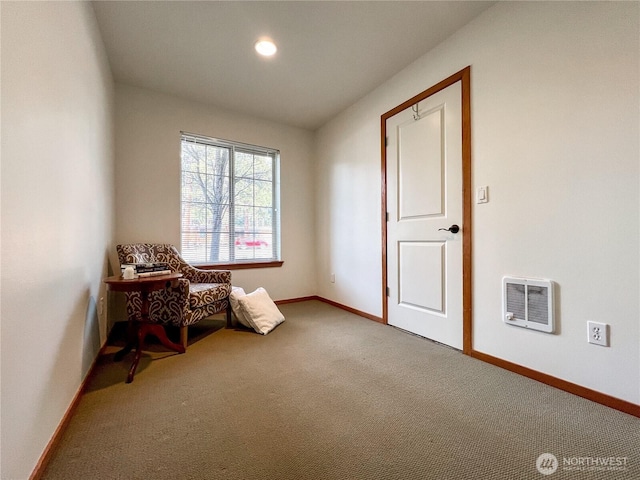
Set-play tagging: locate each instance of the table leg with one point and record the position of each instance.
(159, 331)
(141, 335)
(131, 341)
(141, 332)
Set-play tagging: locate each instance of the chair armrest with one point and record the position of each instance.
(183, 288)
(198, 275)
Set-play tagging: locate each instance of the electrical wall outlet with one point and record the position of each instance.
(598, 333)
(101, 306)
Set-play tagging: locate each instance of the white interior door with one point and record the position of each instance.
(424, 197)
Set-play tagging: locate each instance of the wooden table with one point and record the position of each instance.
(137, 331)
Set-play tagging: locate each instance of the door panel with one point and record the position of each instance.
(420, 183)
(422, 261)
(424, 181)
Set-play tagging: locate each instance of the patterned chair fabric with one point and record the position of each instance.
(197, 295)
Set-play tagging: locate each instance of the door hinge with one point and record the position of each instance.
(388, 292)
(387, 216)
(386, 141)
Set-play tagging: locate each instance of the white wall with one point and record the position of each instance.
(148, 126)
(57, 216)
(555, 97)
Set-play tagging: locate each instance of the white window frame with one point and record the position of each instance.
(234, 148)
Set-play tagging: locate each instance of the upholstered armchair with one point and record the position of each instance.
(197, 295)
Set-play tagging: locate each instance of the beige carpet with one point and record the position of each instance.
(330, 395)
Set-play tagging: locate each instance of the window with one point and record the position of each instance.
(230, 202)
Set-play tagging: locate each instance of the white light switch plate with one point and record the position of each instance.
(482, 194)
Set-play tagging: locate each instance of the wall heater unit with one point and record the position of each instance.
(528, 303)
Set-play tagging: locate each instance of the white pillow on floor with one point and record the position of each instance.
(260, 311)
(236, 293)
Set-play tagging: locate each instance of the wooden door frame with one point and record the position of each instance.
(463, 76)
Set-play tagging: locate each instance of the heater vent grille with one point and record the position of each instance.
(528, 303)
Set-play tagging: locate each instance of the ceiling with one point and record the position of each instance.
(330, 53)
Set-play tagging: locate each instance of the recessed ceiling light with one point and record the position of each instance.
(266, 48)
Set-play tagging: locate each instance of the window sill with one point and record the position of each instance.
(240, 266)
